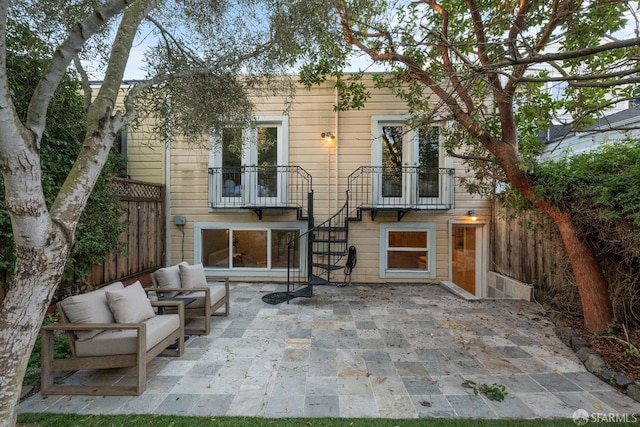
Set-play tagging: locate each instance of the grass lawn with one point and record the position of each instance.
(56, 420)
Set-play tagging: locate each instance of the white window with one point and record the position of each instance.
(246, 248)
(247, 163)
(407, 163)
(407, 250)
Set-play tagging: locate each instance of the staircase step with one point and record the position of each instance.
(332, 253)
(307, 291)
(330, 267)
(317, 280)
(332, 229)
(329, 240)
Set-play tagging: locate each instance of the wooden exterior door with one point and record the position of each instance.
(466, 256)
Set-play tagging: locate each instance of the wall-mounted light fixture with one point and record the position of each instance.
(472, 215)
(328, 135)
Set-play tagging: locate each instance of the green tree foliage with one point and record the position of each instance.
(485, 69)
(602, 185)
(601, 190)
(97, 234)
(219, 45)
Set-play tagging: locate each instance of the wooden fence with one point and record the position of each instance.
(144, 237)
(528, 248)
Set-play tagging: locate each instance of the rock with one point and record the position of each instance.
(564, 334)
(606, 375)
(583, 353)
(577, 342)
(623, 381)
(615, 378)
(633, 391)
(594, 364)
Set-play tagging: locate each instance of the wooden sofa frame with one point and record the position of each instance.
(139, 360)
(192, 312)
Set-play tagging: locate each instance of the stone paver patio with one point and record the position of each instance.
(381, 351)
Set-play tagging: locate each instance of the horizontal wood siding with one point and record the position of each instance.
(330, 164)
(145, 150)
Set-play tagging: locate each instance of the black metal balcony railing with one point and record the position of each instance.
(400, 188)
(257, 187)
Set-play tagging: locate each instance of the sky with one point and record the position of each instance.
(135, 65)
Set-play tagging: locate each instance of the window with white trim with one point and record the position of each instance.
(246, 247)
(407, 250)
(408, 161)
(248, 159)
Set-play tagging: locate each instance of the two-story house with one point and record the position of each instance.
(285, 199)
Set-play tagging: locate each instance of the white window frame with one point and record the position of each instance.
(250, 157)
(429, 228)
(246, 226)
(410, 149)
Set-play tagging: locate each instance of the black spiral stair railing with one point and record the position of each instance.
(326, 244)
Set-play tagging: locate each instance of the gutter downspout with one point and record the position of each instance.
(337, 139)
(167, 199)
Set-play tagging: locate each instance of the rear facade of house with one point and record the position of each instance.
(302, 194)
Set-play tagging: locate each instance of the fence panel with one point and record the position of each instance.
(528, 248)
(144, 237)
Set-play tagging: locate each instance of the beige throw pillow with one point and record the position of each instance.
(130, 305)
(192, 276)
(89, 308)
(169, 278)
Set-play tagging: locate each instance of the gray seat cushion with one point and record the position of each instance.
(124, 341)
(90, 307)
(216, 293)
(169, 278)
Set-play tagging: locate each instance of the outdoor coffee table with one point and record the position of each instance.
(185, 300)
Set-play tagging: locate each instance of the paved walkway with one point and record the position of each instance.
(387, 351)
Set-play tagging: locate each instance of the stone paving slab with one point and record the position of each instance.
(388, 351)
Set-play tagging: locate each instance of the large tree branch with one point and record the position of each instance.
(564, 55)
(351, 36)
(447, 63)
(578, 78)
(102, 123)
(545, 35)
(517, 26)
(61, 59)
(470, 157)
(479, 32)
(487, 162)
(171, 40)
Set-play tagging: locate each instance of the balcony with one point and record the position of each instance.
(260, 187)
(399, 189)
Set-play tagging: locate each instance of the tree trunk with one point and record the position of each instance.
(592, 285)
(37, 273)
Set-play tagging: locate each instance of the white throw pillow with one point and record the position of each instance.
(192, 276)
(130, 305)
(169, 278)
(89, 308)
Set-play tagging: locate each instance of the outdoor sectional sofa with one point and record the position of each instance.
(112, 327)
